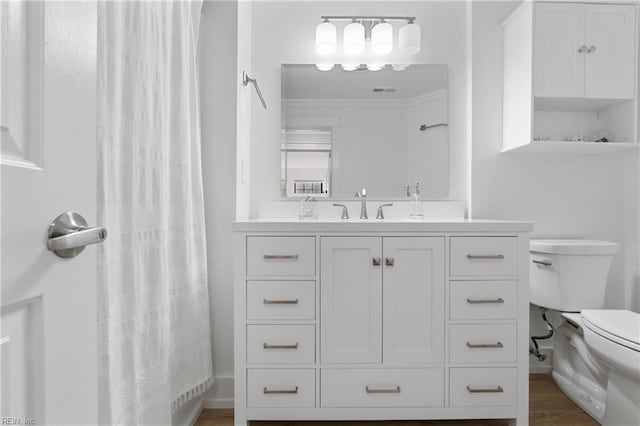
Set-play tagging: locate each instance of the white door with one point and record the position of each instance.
(351, 299)
(413, 294)
(610, 59)
(48, 330)
(559, 50)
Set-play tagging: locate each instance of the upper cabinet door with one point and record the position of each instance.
(610, 56)
(351, 300)
(413, 299)
(559, 50)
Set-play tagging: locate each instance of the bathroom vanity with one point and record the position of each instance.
(374, 320)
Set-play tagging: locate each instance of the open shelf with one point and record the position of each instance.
(573, 148)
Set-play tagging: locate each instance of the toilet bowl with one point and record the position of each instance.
(596, 357)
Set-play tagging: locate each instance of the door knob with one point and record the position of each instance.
(69, 234)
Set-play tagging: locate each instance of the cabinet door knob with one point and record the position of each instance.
(376, 261)
(582, 48)
(389, 261)
(591, 49)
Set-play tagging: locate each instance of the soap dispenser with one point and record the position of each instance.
(307, 209)
(415, 206)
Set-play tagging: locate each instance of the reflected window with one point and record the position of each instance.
(306, 162)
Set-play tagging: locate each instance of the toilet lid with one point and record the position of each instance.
(620, 326)
(574, 246)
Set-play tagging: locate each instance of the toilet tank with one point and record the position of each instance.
(569, 275)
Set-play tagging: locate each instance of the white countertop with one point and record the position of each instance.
(385, 225)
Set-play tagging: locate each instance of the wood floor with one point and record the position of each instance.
(548, 406)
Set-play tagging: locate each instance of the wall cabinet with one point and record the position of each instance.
(570, 76)
(584, 51)
(394, 321)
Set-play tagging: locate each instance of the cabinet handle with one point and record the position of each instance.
(268, 391)
(544, 262)
(591, 49)
(485, 345)
(268, 346)
(582, 48)
(280, 302)
(485, 256)
(497, 389)
(376, 261)
(280, 256)
(476, 301)
(389, 261)
(395, 390)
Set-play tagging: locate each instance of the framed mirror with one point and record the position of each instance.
(381, 130)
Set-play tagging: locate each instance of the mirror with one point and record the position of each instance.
(345, 130)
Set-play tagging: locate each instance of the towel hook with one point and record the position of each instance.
(246, 80)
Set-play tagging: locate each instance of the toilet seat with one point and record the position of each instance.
(619, 326)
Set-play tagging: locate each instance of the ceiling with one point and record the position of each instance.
(304, 81)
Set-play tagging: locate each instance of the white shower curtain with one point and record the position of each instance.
(154, 338)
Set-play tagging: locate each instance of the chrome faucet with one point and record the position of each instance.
(363, 209)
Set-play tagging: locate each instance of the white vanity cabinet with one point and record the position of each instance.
(381, 320)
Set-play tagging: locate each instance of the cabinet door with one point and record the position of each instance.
(610, 57)
(559, 54)
(351, 299)
(413, 292)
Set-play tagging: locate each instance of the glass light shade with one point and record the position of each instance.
(326, 38)
(353, 39)
(399, 67)
(324, 67)
(350, 66)
(382, 39)
(375, 67)
(409, 39)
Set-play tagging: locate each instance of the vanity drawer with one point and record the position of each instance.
(482, 343)
(281, 388)
(282, 344)
(382, 387)
(281, 300)
(477, 387)
(484, 256)
(281, 256)
(483, 300)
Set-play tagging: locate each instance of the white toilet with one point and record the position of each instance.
(596, 357)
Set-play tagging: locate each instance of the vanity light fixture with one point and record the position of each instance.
(324, 67)
(375, 29)
(326, 38)
(350, 66)
(399, 67)
(353, 40)
(375, 67)
(409, 38)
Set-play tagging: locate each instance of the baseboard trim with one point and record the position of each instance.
(221, 393)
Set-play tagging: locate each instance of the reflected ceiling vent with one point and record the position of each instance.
(384, 89)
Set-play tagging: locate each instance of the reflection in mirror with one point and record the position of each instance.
(342, 131)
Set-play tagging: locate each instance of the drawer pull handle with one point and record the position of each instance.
(389, 261)
(395, 390)
(280, 302)
(280, 257)
(268, 346)
(477, 301)
(485, 256)
(497, 389)
(485, 345)
(376, 261)
(268, 391)
(544, 262)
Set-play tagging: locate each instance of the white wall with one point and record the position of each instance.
(283, 32)
(218, 82)
(565, 196)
